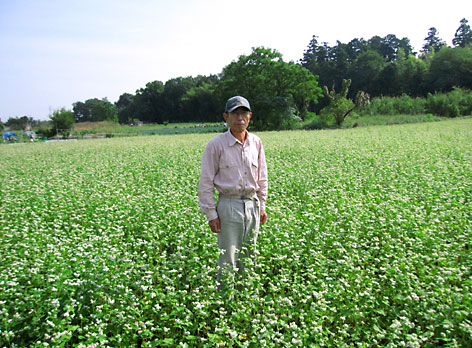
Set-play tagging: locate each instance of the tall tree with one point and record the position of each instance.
(81, 113)
(83, 110)
(20, 123)
(339, 105)
(332, 64)
(354, 48)
(181, 99)
(365, 72)
(318, 59)
(411, 75)
(93, 110)
(172, 98)
(104, 111)
(432, 43)
(405, 45)
(388, 46)
(463, 35)
(451, 67)
(266, 80)
(371, 65)
(62, 122)
(200, 103)
(148, 102)
(125, 108)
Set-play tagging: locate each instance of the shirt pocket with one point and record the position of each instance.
(255, 169)
(228, 169)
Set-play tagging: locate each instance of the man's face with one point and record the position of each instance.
(238, 119)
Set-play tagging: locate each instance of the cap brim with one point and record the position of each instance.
(238, 106)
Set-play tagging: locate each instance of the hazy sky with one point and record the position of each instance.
(54, 53)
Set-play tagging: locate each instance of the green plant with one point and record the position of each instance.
(62, 122)
(456, 103)
(367, 243)
(339, 106)
(403, 105)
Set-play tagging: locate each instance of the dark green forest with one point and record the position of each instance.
(281, 92)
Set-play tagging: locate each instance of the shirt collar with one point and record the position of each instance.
(231, 140)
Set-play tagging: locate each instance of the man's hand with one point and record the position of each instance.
(215, 225)
(263, 217)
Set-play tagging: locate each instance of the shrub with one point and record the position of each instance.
(336, 111)
(277, 113)
(403, 105)
(43, 132)
(62, 122)
(456, 103)
(439, 104)
(315, 122)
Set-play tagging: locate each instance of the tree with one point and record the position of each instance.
(463, 35)
(20, 123)
(172, 97)
(62, 122)
(263, 76)
(125, 108)
(371, 65)
(148, 102)
(95, 110)
(82, 112)
(354, 48)
(411, 73)
(273, 113)
(104, 111)
(388, 46)
(200, 103)
(451, 67)
(339, 106)
(320, 60)
(365, 72)
(432, 42)
(405, 75)
(181, 99)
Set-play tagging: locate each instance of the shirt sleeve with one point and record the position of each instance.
(262, 181)
(206, 186)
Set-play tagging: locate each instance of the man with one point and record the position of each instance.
(234, 164)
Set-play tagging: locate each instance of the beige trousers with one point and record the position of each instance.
(239, 219)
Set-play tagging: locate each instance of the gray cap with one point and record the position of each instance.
(236, 102)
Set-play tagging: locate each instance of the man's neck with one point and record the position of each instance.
(240, 136)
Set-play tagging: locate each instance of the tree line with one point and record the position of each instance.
(284, 92)
(387, 66)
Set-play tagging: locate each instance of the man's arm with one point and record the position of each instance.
(206, 187)
(263, 184)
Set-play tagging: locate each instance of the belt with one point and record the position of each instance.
(251, 196)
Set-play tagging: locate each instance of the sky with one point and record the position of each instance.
(57, 52)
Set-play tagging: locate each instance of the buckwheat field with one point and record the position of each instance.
(368, 243)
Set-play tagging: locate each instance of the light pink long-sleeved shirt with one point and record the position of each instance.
(233, 169)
